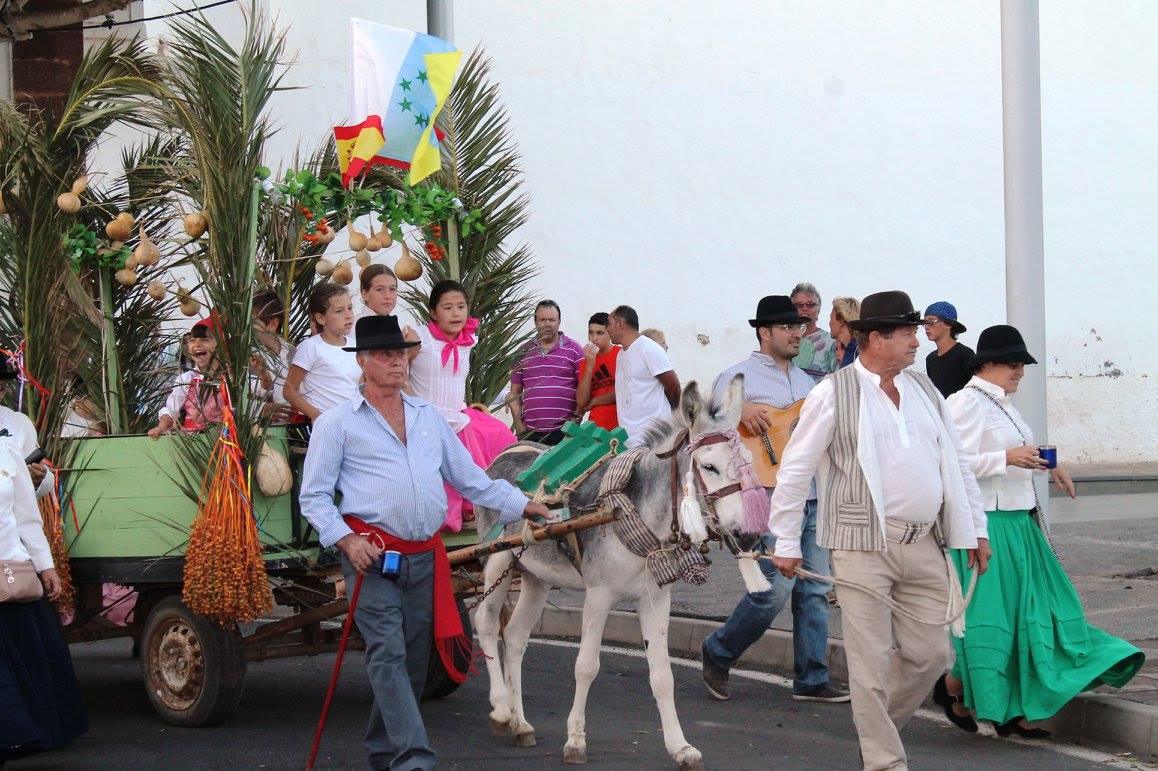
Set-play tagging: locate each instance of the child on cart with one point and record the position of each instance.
(438, 375)
(322, 375)
(195, 401)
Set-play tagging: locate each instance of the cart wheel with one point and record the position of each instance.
(438, 682)
(194, 669)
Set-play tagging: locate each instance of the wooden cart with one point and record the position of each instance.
(128, 524)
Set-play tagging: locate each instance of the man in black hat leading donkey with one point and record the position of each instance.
(894, 489)
(771, 379)
(388, 453)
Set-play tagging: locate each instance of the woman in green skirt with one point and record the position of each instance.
(1027, 648)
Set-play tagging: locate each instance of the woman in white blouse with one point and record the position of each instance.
(40, 703)
(1027, 648)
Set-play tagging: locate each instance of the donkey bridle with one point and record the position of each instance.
(710, 498)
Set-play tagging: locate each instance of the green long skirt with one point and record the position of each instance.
(1027, 648)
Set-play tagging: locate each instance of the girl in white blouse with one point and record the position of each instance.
(43, 708)
(1027, 648)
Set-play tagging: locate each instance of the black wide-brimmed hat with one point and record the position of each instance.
(777, 309)
(885, 310)
(1001, 344)
(379, 333)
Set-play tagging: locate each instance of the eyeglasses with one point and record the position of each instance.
(807, 305)
(931, 320)
(792, 327)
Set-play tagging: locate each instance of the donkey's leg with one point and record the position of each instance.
(596, 606)
(654, 610)
(532, 598)
(486, 621)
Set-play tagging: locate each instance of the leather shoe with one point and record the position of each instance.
(715, 678)
(1015, 727)
(942, 696)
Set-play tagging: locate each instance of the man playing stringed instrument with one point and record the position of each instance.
(773, 386)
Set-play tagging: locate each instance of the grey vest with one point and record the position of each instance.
(849, 519)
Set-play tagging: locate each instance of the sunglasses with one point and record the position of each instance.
(807, 305)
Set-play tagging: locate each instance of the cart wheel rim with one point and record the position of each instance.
(176, 664)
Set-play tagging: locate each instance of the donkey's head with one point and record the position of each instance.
(723, 487)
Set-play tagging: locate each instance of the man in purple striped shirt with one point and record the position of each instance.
(545, 381)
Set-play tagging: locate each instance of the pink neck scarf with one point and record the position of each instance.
(465, 339)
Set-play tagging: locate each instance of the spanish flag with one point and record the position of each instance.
(400, 81)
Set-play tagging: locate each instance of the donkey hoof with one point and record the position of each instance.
(525, 740)
(690, 759)
(574, 755)
(500, 727)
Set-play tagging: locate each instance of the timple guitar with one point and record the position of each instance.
(768, 447)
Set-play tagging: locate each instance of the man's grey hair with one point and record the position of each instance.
(805, 288)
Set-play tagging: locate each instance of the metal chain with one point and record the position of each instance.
(502, 577)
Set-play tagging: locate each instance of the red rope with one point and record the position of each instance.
(337, 668)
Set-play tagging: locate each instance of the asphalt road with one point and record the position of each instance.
(760, 727)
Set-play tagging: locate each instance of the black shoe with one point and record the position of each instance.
(942, 696)
(715, 678)
(1015, 727)
(826, 692)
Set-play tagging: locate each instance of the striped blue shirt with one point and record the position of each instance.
(397, 487)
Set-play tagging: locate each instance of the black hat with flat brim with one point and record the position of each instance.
(379, 333)
(1001, 344)
(777, 309)
(886, 310)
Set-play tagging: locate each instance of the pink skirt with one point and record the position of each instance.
(484, 437)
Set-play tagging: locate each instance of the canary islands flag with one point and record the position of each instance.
(400, 80)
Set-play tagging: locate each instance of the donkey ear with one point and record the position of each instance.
(691, 404)
(733, 403)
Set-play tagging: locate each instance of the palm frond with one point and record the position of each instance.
(218, 99)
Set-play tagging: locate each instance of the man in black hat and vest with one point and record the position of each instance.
(771, 379)
(894, 488)
(387, 454)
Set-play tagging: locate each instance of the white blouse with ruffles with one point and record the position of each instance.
(986, 434)
(441, 385)
(21, 534)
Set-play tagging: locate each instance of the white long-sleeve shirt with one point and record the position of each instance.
(21, 533)
(806, 456)
(22, 436)
(986, 434)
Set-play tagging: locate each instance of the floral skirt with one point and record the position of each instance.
(484, 437)
(40, 702)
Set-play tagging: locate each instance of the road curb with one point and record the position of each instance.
(1088, 718)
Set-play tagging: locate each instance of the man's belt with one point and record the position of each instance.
(899, 531)
(449, 636)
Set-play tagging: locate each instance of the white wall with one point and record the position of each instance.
(688, 157)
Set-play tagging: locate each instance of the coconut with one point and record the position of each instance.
(273, 474)
(156, 290)
(69, 203)
(120, 229)
(358, 241)
(126, 276)
(343, 274)
(195, 224)
(80, 184)
(147, 254)
(324, 267)
(408, 268)
(363, 259)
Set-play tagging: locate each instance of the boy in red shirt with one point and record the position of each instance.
(597, 375)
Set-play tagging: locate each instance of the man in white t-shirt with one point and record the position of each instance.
(646, 385)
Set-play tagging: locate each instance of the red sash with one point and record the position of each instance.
(449, 636)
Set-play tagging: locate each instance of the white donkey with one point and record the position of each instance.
(611, 572)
